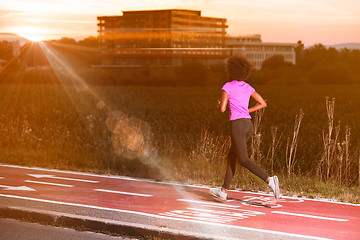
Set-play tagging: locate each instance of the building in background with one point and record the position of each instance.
(257, 51)
(161, 37)
(173, 36)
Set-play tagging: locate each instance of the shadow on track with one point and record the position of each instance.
(206, 196)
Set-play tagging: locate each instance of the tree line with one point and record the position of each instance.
(316, 65)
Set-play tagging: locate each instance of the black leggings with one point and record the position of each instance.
(241, 131)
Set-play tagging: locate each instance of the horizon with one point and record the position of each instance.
(312, 22)
(82, 38)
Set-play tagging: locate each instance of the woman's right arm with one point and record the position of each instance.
(223, 102)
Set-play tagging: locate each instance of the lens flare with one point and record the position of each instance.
(100, 105)
(116, 122)
(131, 137)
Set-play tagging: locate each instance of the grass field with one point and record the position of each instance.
(177, 134)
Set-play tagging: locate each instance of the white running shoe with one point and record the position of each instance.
(274, 186)
(216, 192)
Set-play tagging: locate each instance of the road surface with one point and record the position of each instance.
(174, 207)
(14, 230)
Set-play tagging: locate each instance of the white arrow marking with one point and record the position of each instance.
(46, 183)
(61, 178)
(126, 193)
(21, 188)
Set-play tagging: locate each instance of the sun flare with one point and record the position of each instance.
(32, 38)
(34, 34)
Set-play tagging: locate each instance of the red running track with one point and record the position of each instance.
(262, 212)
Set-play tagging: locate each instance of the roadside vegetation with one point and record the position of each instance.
(308, 135)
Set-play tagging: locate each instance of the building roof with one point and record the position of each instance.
(242, 40)
(163, 10)
(261, 43)
(197, 12)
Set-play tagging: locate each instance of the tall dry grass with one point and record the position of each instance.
(256, 140)
(275, 144)
(208, 155)
(336, 161)
(291, 146)
(328, 158)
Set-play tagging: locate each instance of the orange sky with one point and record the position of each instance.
(312, 21)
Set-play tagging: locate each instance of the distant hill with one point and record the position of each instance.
(10, 37)
(346, 45)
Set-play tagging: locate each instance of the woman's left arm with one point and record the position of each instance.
(260, 102)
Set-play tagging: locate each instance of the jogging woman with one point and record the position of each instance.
(237, 94)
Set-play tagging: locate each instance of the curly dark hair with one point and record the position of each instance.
(238, 68)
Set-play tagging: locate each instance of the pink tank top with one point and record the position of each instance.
(239, 96)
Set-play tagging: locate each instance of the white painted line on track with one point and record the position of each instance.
(125, 193)
(208, 203)
(311, 216)
(1, 177)
(61, 178)
(46, 183)
(79, 173)
(105, 176)
(169, 183)
(163, 217)
(21, 188)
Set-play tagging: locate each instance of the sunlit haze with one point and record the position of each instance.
(312, 21)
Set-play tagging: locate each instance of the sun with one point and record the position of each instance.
(34, 34)
(32, 38)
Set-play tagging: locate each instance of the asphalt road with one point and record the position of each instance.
(16, 230)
